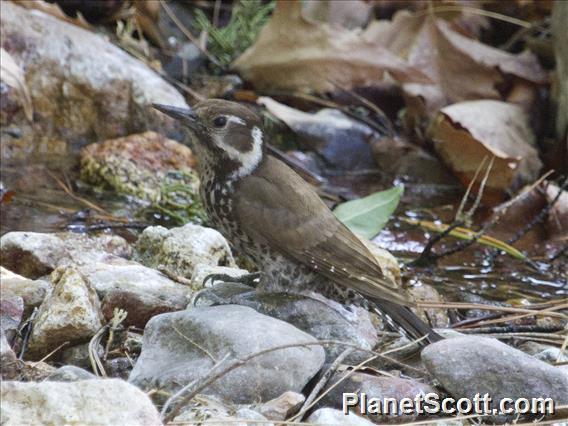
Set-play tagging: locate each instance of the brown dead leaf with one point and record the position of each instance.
(461, 68)
(465, 133)
(293, 53)
(53, 9)
(13, 76)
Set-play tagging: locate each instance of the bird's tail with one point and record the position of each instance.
(402, 319)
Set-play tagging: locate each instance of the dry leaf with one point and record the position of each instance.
(13, 76)
(462, 68)
(53, 9)
(293, 53)
(465, 133)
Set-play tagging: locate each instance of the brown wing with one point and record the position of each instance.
(277, 207)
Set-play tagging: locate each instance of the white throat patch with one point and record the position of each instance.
(248, 160)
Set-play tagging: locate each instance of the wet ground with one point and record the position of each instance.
(35, 201)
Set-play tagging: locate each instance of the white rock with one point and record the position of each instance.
(31, 291)
(85, 402)
(71, 313)
(330, 416)
(182, 249)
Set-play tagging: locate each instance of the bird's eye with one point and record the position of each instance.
(220, 121)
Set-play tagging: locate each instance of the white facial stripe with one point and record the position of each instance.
(249, 159)
(233, 119)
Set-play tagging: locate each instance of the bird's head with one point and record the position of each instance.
(228, 136)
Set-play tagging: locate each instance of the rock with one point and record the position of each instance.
(70, 373)
(118, 367)
(281, 408)
(374, 387)
(78, 355)
(141, 291)
(330, 416)
(469, 365)
(140, 165)
(77, 97)
(11, 311)
(34, 254)
(9, 363)
(323, 319)
(437, 318)
(70, 314)
(546, 353)
(202, 270)
(213, 411)
(36, 371)
(103, 402)
(181, 249)
(31, 291)
(183, 346)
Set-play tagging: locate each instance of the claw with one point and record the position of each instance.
(247, 279)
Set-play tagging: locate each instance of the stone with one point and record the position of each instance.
(465, 366)
(330, 416)
(78, 355)
(36, 371)
(546, 353)
(140, 165)
(183, 346)
(283, 407)
(103, 402)
(70, 373)
(10, 366)
(322, 318)
(11, 312)
(77, 97)
(212, 411)
(118, 367)
(181, 249)
(437, 318)
(31, 291)
(202, 270)
(34, 254)
(71, 313)
(374, 387)
(139, 290)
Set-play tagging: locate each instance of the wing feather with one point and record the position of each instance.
(278, 207)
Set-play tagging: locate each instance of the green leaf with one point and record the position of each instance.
(367, 216)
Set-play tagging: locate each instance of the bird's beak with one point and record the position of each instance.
(185, 115)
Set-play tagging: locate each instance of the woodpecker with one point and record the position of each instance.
(272, 216)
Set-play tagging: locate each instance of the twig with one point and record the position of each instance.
(540, 216)
(173, 276)
(195, 388)
(29, 324)
(188, 34)
(513, 329)
(322, 382)
(119, 315)
(52, 352)
(460, 305)
(69, 191)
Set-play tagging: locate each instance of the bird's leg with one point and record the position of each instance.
(251, 279)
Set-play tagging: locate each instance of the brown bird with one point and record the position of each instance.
(270, 214)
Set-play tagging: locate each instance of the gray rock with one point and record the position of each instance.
(319, 317)
(70, 373)
(183, 346)
(281, 408)
(202, 270)
(9, 364)
(78, 355)
(141, 291)
(34, 254)
(90, 97)
(101, 402)
(31, 291)
(330, 416)
(374, 387)
(546, 353)
(71, 313)
(182, 249)
(469, 365)
(213, 411)
(11, 312)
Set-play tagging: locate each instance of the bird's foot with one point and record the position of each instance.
(251, 279)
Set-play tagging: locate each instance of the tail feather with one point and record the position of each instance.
(403, 319)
